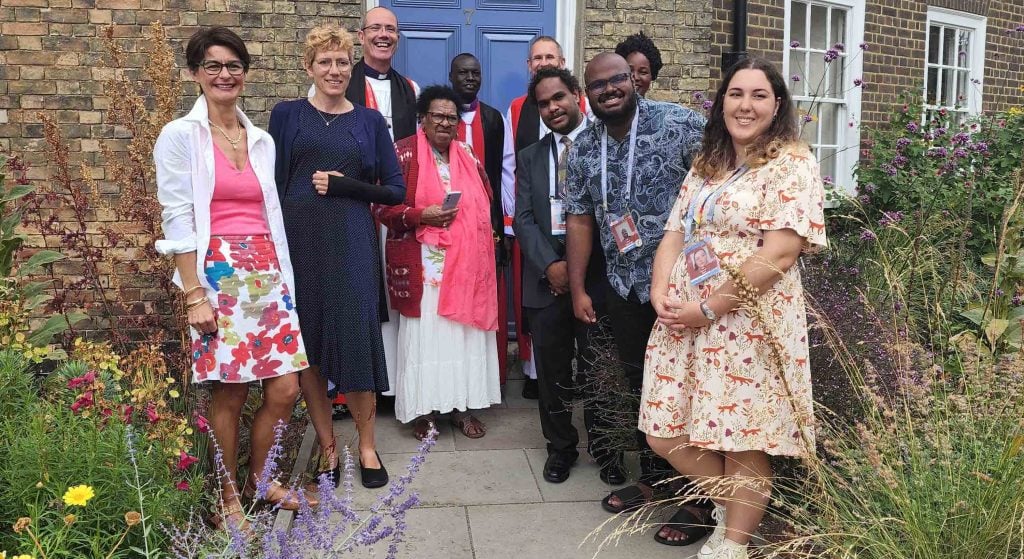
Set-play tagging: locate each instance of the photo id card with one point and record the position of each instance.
(701, 262)
(557, 216)
(625, 233)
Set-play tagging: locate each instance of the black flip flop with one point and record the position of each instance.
(685, 521)
(631, 497)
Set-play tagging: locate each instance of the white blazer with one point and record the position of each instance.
(184, 177)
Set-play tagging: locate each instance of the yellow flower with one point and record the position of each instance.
(70, 519)
(23, 557)
(173, 393)
(78, 495)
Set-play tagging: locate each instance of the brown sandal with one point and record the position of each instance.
(222, 516)
(422, 427)
(284, 497)
(470, 426)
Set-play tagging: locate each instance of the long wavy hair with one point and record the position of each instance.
(717, 155)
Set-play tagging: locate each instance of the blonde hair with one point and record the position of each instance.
(327, 37)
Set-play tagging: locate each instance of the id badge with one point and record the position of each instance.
(557, 216)
(625, 233)
(701, 262)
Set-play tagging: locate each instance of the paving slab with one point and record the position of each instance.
(583, 484)
(513, 395)
(462, 478)
(433, 533)
(392, 436)
(563, 530)
(506, 429)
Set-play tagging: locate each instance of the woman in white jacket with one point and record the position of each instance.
(215, 181)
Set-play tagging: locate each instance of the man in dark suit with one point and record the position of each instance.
(540, 227)
(483, 128)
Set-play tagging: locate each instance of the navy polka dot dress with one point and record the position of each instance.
(334, 251)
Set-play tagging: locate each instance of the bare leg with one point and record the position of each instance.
(704, 467)
(279, 396)
(314, 391)
(225, 411)
(749, 477)
(363, 406)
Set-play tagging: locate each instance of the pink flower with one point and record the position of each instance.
(151, 414)
(84, 380)
(184, 460)
(126, 412)
(182, 486)
(83, 401)
(202, 425)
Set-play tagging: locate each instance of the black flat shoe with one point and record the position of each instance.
(530, 389)
(613, 473)
(373, 477)
(556, 468)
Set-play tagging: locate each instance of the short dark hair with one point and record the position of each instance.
(433, 93)
(216, 36)
(566, 76)
(644, 45)
(460, 57)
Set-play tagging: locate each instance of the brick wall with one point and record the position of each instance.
(894, 63)
(682, 33)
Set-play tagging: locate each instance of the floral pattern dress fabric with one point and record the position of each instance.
(257, 327)
(718, 385)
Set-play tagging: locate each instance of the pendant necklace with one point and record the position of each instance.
(234, 143)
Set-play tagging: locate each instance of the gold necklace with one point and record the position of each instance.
(234, 143)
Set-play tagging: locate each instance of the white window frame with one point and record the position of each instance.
(848, 151)
(978, 26)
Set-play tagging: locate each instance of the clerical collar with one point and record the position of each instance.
(373, 72)
(472, 106)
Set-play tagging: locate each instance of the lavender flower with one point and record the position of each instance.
(868, 235)
(938, 152)
(808, 118)
(890, 218)
(959, 153)
(870, 187)
(940, 131)
(698, 96)
(706, 105)
(831, 55)
(827, 180)
(795, 77)
(1016, 300)
(912, 127)
(794, 44)
(889, 170)
(961, 139)
(263, 483)
(863, 46)
(839, 47)
(902, 143)
(857, 82)
(864, 199)
(900, 161)
(980, 147)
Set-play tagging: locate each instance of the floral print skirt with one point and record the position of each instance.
(257, 327)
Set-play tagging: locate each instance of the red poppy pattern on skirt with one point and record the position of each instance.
(257, 327)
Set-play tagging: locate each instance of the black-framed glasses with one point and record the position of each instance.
(597, 86)
(213, 68)
(377, 28)
(443, 118)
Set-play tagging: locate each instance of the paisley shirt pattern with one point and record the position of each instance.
(720, 385)
(668, 136)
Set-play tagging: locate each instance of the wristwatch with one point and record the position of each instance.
(708, 313)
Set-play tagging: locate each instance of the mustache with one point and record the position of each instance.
(609, 95)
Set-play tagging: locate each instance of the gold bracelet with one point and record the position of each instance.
(187, 292)
(193, 304)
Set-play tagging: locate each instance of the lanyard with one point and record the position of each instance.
(553, 187)
(692, 221)
(629, 166)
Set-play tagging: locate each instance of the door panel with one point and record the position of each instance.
(498, 32)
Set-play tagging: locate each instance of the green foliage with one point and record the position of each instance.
(48, 448)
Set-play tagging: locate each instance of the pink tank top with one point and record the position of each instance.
(237, 205)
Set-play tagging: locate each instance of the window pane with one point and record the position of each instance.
(838, 32)
(798, 23)
(933, 44)
(932, 87)
(827, 161)
(949, 46)
(835, 78)
(830, 124)
(964, 49)
(963, 81)
(819, 25)
(815, 74)
(948, 87)
(796, 68)
(808, 130)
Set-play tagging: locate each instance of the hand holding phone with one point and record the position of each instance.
(451, 200)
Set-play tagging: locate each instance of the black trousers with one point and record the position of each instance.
(631, 323)
(557, 338)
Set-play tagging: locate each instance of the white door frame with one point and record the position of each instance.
(565, 27)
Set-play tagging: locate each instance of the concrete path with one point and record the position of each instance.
(487, 498)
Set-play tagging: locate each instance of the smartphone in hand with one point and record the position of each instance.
(451, 200)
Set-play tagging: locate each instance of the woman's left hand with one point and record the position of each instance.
(320, 179)
(688, 315)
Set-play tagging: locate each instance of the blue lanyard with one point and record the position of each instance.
(712, 197)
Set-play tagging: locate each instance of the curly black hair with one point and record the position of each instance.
(644, 45)
(545, 72)
(433, 93)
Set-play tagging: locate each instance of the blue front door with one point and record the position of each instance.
(498, 32)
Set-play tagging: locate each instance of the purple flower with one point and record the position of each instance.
(938, 152)
(1016, 300)
(857, 82)
(1020, 28)
(912, 127)
(900, 161)
(864, 199)
(902, 143)
(795, 77)
(980, 147)
(863, 46)
(890, 218)
(831, 55)
(975, 81)
(868, 235)
(808, 118)
(839, 46)
(940, 131)
(889, 170)
(827, 180)
(706, 105)
(959, 153)
(870, 187)
(794, 45)
(698, 96)
(961, 139)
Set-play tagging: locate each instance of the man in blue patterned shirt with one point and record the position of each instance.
(623, 176)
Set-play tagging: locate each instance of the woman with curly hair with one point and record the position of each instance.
(644, 60)
(727, 375)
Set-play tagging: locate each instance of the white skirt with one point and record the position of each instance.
(443, 365)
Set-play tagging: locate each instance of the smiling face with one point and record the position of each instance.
(749, 107)
(465, 77)
(641, 69)
(610, 88)
(379, 37)
(331, 71)
(440, 134)
(544, 53)
(221, 88)
(559, 107)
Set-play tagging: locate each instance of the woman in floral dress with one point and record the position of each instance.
(215, 181)
(725, 385)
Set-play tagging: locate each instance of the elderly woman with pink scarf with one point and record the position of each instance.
(440, 275)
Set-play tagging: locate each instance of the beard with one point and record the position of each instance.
(625, 111)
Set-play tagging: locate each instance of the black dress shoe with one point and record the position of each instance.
(530, 389)
(556, 468)
(373, 478)
(613, 473)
